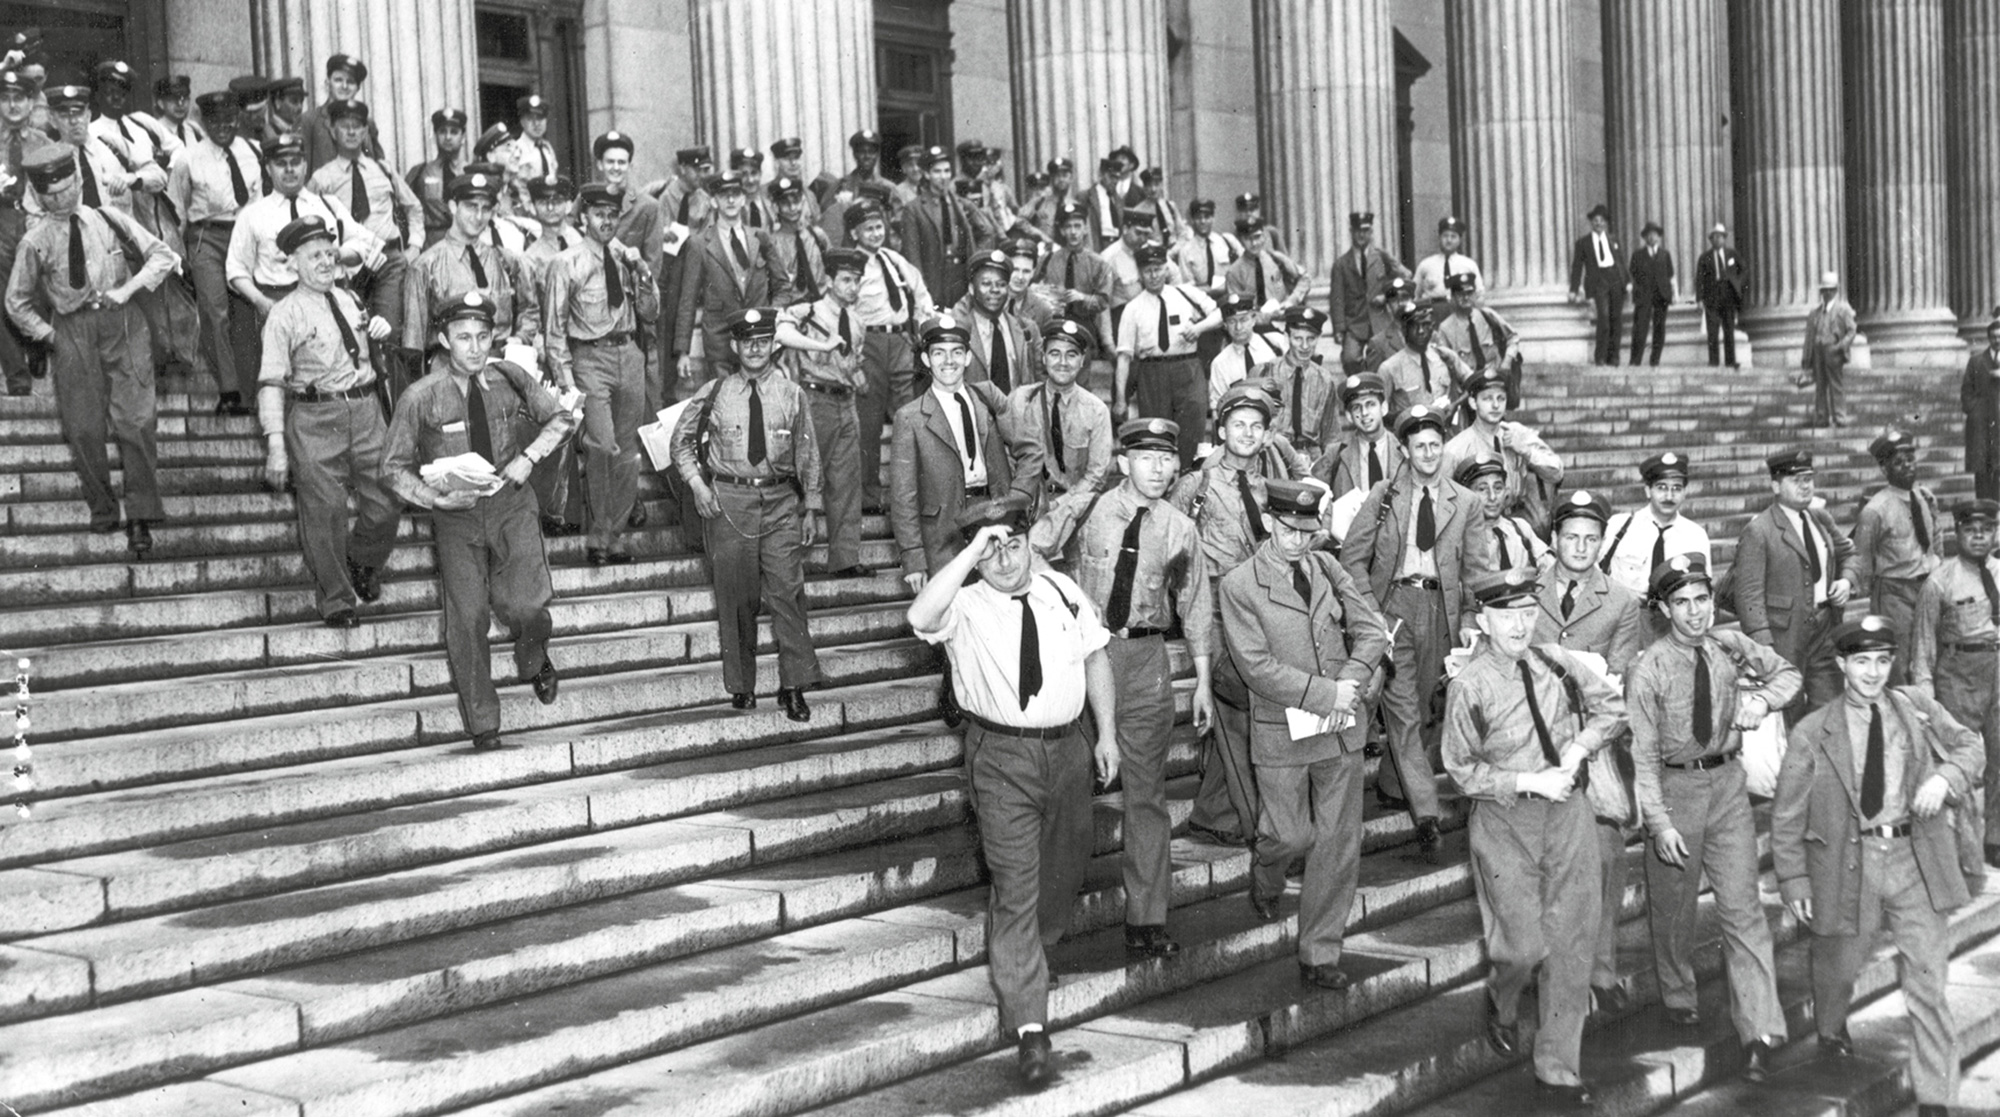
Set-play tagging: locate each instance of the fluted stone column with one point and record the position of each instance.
(1327, 111)
(1510, 84)
(1794, 179)
(1089, 75)
(1972, 108)
(1896, 211)
(1667, 84)
(772, 68)
(420, 57)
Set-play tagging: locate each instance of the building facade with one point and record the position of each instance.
(1855, 137)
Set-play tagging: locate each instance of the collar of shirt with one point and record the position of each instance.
(946, 396)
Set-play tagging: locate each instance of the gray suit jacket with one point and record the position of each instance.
(1373, 550)
(1604, 618)
(927, 478)
(1774, 593)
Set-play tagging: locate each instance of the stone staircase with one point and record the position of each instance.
(265, 875)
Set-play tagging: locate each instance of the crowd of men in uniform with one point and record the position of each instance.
(1321, 532)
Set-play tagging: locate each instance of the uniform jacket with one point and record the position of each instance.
(927, 478)
(923, 227)
(1024, 346)
(1292, 653)
(709, 285)
(1087, 441)
(1816, 817)
(1979, 396)
(1604, 618)
(1719, 277)
(1345, 465)
(1584, 273)
(1358, 277)
(1652, 275)
(1373, 550)
(1774, 592)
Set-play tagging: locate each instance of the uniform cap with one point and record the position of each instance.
(1249, 226)
(1201, 207)
(1150, 434)
(1072, 331)
(785, 186)
(1037, 180)
(552, 186)
(875, 191)
(294, 235)
(867, 137)
(219, 103)
(448, 118)
(113, 71)
(1062, 164)
(49, 165)
(1889, 442)
(472, 185)
(1477, 466)
(746, 157)
(838, 260)
(609, 140)
(1965, 511)
(1303, 317)
(860, 213)
(472, 304)
(1785, 463)
(347, 110)
(1459, 281)
(1361, 220)
(1152, 175)
(972, 149)
(1489, 377)
(994, 260)
(249, 88)
(933, 155)
(753, 322)
(909, 153)
(1010, 511)
(791, 147)
(493, 137)
(1363, 384)
(598, 194)
(1246, 393)
(1662, 465)
(67, 96)
(347, 63)
(1451, 224)
(1417, 418)
(1070, 211)
(12, 82)
(1235, 303)
(1248, 201)
(1295, 502)
(1150, 254)
(1396, 290)
(1505, 589)
(285, 87)
(531, 105)
(691, 156)
(173, 85)
(284, 146)
(1681, 570)
(1583, 503)
(1866, 634)
(945, 327)
(728, 182)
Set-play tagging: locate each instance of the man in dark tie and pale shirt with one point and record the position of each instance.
(1597, 272)
(891, 300)
(1158, 372)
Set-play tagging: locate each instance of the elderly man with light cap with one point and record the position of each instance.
(1690, 697)
(320, 409)
(491, 564)
(1861, 838)
(1027, 648)
(1521, 721)
(1829, 342)
(1954, 649)
(1304, 636)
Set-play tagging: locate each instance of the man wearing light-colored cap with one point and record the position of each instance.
(1793, 574)
(1829, 340)
(1861, 839)
(1521, 721)
(1720, 278)
(1898, 539)
(1979, 397)
(1955, 649)
(465, 259)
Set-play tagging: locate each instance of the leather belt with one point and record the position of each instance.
(1162, 360)
(1138, 632)
(315, 395)
(1704, 763)
(826, 389)
(751, 482)
(1418, 581)
(619, 337)
(978, 490)
(1026, 732)
(895, 329)
(1900, 830)
(1973, 649)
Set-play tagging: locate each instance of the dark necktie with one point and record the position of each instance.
(1298, 430)
(614, 281)
(1302, 585)
(1031, 652)
(478, 269)
(681, 213)
(91, 197)
(1427, 531)
(1069, 270)
(1374, 464)
(1992, 591)
(1923, 529)
(359, 190)
(997, 367)
(1424, 360)
(1535, 713)
(14, 151)
(1118, 609)
(846, 332)
(236, 181)
(1704, 712)
(737, 249)
(347, 339)
(971, 433)
(1166, 341)
(1208, 253)
(294, 201)
(757, 451)
(1569, 600)
(1659, 550)
(480, 434)
(1252, 512)
(1056, 444)
(947, 217)
(1500, 548)
(79, 268)
(1812, 550)
(1872, 776)
(802, 268)
(1257, 265)
(542, 150)
(890, 281)
(1478, 350)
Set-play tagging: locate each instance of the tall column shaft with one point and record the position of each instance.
(1972, 105)
(774, 68)
(1327, 111)
(1511, 158)
(1896, 218)
(1667, 75)
(420, 58)
(1089, 75)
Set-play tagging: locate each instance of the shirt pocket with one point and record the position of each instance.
(780, 439)
(1970, 613)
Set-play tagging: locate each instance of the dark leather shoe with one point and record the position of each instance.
(1036, 1060)
(487, 741)
(858, 570)
(1326, 976)
(1266, 907)
(1684, 1018)
(1390, 802)
(345, 618)
(1933, 1111)
(1429, 840)
(1610, 1000)
(228, 403)
(598, 556)
(1504, 1039)
(1209, 837)
(1757, 1060)
(638, 516)
(1993, 857)
(793, 699)
(545, 682)
(139, 538)
(948, 702)
(1840, 1044)
(1559, 1097)
(555, 527)
(743, 701)
(367, 586)
(107, 529)
(1149, 940)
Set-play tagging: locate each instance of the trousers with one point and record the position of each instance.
(491, 565)
(1173, 388)
(1145, 733)
(613, 381)
(885, 357)
(104, 392)
(1312, 811)
(1413, 726)
(336, 447)
(758, 559)
(838, 431)
(229, 326)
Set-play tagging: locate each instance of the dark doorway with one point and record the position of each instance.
(912, 76)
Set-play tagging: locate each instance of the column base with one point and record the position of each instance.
(1972, 330)
(1916, 339)
(1686, 342)
(1780, 337)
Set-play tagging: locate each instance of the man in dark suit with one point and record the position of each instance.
(1597, 272)
(1855, 847)
(1794, 572)
(1979, 396)
(1355, 303)
(1654, 289)
(1718, 284)
(937, 235)
(935, 468)
(728, 267)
